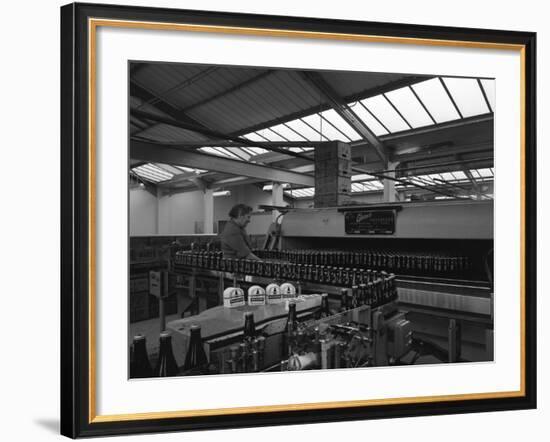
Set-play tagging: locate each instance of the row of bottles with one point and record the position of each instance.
(196, 361)
(373, 294)
(402, 262)
(322, 274)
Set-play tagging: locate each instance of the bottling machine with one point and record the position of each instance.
(406, 283)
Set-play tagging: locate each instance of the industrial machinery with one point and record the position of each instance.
(406, 283)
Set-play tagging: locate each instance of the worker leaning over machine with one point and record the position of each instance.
(234, 239)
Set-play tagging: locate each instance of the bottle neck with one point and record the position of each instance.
(292, 312)
(165, 345)
(249, 327)
(196, 336)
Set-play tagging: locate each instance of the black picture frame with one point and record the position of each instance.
(77, 407)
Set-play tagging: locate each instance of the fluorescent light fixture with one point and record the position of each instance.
(222, 193)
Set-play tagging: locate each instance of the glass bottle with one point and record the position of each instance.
(324, 310)
(166, 364)
(343, 300)
(290, 330)
(249, 326)
(195, 359)
(140, 366)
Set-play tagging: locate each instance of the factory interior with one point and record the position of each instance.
(370, 230)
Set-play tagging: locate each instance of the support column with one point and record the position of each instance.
(157, 210)
(208, 211)
(277, 198)
(390, 195)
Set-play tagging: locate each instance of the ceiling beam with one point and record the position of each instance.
(210, 133)
(442, 151)
(342, 108)
(170, 155)
(162, 96)
(247, 143)
(229, 91)
(149, 97)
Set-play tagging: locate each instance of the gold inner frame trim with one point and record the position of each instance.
(93, 24)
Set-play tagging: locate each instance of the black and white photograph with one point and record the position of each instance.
(283, 220)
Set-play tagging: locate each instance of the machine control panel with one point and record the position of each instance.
(370, 222)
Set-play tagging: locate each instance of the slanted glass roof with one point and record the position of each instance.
(410, 107)
(429, 102)
(269, 135)
(253, 136)
(362, 177)
(489, 88)
(388, 116)
(437, 101)
(426, 103)
(219, 151)
(372, 123)
(288, 134)
(338, 122)
(233, 153)
(305, 130)
(467, 95)
(152, 172)
(455, 177)
(322, 126)
(190, 169)
(306, 192)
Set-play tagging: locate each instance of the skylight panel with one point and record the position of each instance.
(253, 136)
(153, 169)
(303, 129)
(337, 121)
(467, 95)
(248, 151)
(368, 119)
(409, 106)
(362, 177)
(447, 176)
(288, 133)
(323, 127)
(376, 184)
(382, 109)
(213, 151)
(152, 173)
(422, 180)
(236, 152)
(226, 152)
(436, 100)
(434, 176)
(189, 169)
(460, 175)
(270, 135)
(256, 150)
(474, 173)
(489, 88)
(297, 193)
(356, 187)
(485, 173)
